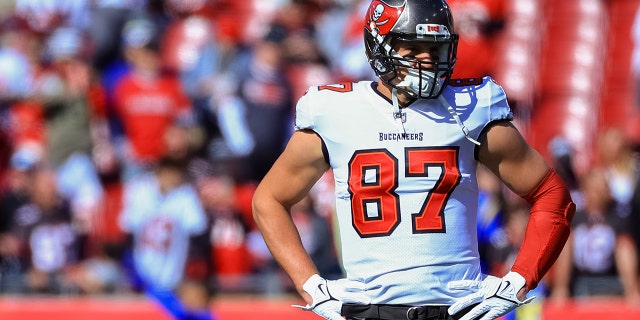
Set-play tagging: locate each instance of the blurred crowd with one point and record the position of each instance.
(133, 132)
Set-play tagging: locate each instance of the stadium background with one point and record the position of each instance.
(568, 66)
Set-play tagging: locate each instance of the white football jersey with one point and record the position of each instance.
(406, 189)
(162, 225)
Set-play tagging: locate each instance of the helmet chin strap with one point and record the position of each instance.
(394, 101)
(397, 114)
(456, 117)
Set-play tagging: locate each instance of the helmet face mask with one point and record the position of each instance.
(425, 24)
(419, 78)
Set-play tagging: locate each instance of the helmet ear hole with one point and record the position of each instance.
(380, 61)
(382, 65)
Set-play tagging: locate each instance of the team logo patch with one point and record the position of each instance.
(382, 16)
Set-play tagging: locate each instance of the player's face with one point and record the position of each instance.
(418, 56)
(416, 66)
(424, 52)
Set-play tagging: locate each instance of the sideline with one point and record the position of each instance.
(245, 308)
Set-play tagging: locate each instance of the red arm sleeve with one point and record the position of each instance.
(548, 229)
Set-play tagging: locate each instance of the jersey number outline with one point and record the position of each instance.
(338, 87)
(373, 179)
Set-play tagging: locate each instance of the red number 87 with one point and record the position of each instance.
(374, 178)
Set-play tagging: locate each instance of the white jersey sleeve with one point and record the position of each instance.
(303, 116)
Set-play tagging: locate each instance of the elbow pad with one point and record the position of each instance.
(548, 229)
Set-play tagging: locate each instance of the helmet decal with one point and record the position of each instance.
(431, 30)
(382, 17)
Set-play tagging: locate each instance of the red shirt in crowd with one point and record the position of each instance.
(147, 107)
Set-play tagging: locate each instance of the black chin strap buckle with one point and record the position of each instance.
(412, 313)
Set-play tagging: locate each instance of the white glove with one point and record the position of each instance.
(494, 296)
(328, 296)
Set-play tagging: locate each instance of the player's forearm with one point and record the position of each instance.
(547, 230)
(283, 240)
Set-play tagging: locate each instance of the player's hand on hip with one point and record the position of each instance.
(328, 296)
(493, 296)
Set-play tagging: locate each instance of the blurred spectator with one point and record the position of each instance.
(108, 17)
(107, 238)
(52, 240)
(272, 281)
(228, 140)
(38, 242)
(232, 142)
(490, 224)
(190, 49)
(294, 28)
(267, 96)
(24, 121)
(21, 118)
(228, 231)
(478, 22)
(106, 231)
(16, 82)
(622, 167)
(147, 101)
(162, 213)
(5, 152)
(43, 16)
(634, 217)
(63, 88)
(345, 53)
(317, 238)
(294, 25)
(600, 258)
(178, 143)
(331, 24)
(254, 109)
(17, 217)
(235, 25)
(562, 161)
(502, 255)
(316, 235)
(99, 274)
(15, 73)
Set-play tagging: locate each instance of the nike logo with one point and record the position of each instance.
(321, 288)
(507, 287)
